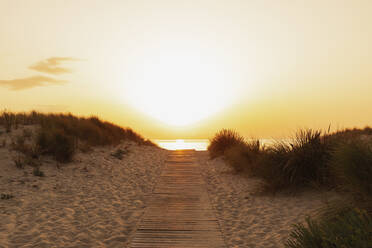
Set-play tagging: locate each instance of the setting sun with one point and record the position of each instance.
(179, 87)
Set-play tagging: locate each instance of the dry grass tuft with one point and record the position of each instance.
(60, 134)
(224, 140)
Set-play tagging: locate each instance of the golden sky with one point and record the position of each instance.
(184, 69)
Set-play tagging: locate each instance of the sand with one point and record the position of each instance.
(98, 200)
(95, 201)
(249, 218)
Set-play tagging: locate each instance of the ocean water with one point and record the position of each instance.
(181, 144)
(198, 144)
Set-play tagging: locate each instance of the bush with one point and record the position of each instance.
(224, 140)
(352, 166)
(282, 165)
(244, 157)
(7, 119)
(309, 158)
(271, 165)
(349, 228)
(56, 143)
(300, 163)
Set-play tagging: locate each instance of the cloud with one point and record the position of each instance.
(30, 82)
(51, 65)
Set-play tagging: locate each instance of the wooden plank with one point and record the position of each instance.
(179, 213)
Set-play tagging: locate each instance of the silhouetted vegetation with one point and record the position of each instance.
(348, 228)
(305, 160)
(59, 135)
(224, 140)
(56, 142)
(245, 156)
(352, 167)
(341, 160)
(302, 162)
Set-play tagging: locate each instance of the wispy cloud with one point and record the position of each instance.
(52, 65)
(30, 82)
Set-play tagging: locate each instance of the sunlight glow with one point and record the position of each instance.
(180, 144)
(179, 88)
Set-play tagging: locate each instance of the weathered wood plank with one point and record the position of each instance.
(179, 213)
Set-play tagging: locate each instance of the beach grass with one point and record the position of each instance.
(223, 140)
(348, 228)
(341, 161)
(60, 135)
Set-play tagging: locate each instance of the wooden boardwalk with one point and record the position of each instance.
(179, 213)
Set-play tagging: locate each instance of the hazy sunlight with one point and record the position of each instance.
(180, 144)
(179, 88)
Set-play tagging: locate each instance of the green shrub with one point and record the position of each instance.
(300, 163)
(348, 229)
(352, 166)
(91, 131)
(309, 158)
(244, 157)
(224, 140)
(56, 143)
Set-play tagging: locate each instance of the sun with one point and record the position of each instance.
(179, 88)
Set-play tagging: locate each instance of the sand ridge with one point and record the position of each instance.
(249, 218)
(95, 201)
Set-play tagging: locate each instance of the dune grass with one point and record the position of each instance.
(311, 157)
(348, 229)
(222, 141)
(60, 135)
(350, 225)
(351, 166)
(244, 157)
(302, 162)
(341, 160)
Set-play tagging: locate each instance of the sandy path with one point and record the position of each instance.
(95, 201)
(250, 219)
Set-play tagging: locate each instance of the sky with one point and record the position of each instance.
(185, 69)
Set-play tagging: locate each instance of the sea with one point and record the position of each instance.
(197, 144)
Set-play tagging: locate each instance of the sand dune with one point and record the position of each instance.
(249, 218)
(98, 201)
(95, 201)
